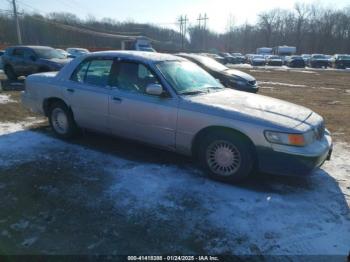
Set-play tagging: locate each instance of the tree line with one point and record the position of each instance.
(311, 28)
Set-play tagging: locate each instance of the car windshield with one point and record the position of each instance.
(258, 56)
(274, 57)
(48, 53)
(187, 78)
(210, 63)
(344, 57)
(296, 57)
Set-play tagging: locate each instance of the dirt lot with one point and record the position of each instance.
(101, 195)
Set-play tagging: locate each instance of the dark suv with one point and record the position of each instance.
(26, 60)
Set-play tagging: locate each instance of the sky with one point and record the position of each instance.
(166, 12)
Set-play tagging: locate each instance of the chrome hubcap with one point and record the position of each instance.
(59, 121)
(223, 158)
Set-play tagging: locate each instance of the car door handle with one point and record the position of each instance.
(117, 99)
(70, 90)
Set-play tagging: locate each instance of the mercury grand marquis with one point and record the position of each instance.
(170, 102)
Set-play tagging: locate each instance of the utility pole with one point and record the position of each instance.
(199, 20)
(183, 29)
(203, 30)
(19, 37)
(205, 18)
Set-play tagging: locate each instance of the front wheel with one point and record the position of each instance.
(226, 156)
(62, 121)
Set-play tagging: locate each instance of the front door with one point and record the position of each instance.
(136, 114)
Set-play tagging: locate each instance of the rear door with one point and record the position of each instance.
(88, 93)
(17, 61)
(29, 64)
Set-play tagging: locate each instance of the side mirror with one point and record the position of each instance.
(154, 89)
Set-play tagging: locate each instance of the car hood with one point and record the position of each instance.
(233, 72)
(243, 106)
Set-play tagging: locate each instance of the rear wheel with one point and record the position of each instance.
(62, 121)
(226, 156)
(10, 73)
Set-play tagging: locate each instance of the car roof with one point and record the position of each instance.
(30, 46)
(138, 55)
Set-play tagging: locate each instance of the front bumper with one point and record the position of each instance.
(295, 161)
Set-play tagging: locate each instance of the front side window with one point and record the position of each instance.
(93, 72)
(18, 52)
(187, 77)
(133, 77)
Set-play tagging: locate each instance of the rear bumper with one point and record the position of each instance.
(274, 63)
(30, 103)
(295, 161)
(296, 64)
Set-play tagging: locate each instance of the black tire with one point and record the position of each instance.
(237, 143)
(10, 73)
(71, 129)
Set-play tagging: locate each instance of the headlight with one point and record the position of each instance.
(285, 138)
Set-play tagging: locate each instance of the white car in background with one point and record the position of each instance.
(76, 52)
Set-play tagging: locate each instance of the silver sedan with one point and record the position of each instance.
(172, 103)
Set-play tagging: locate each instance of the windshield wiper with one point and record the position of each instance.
(194, 92)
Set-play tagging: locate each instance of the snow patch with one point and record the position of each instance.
(267, 217)
(4, 99)
(10, 127)
(279, 84)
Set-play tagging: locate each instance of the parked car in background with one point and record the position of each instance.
(76, 52)
(274, 60)
(329, 58)
(306, 58)
(26, 60)
(340, 61)
(63, 52)
(257, 60)
(238, 58)
(318, 61)
(217, 58)
(229, 59)
(295, 61)
(230, 78)
(172, 103)
(248, 58)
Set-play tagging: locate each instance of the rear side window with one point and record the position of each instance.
(93, 72)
